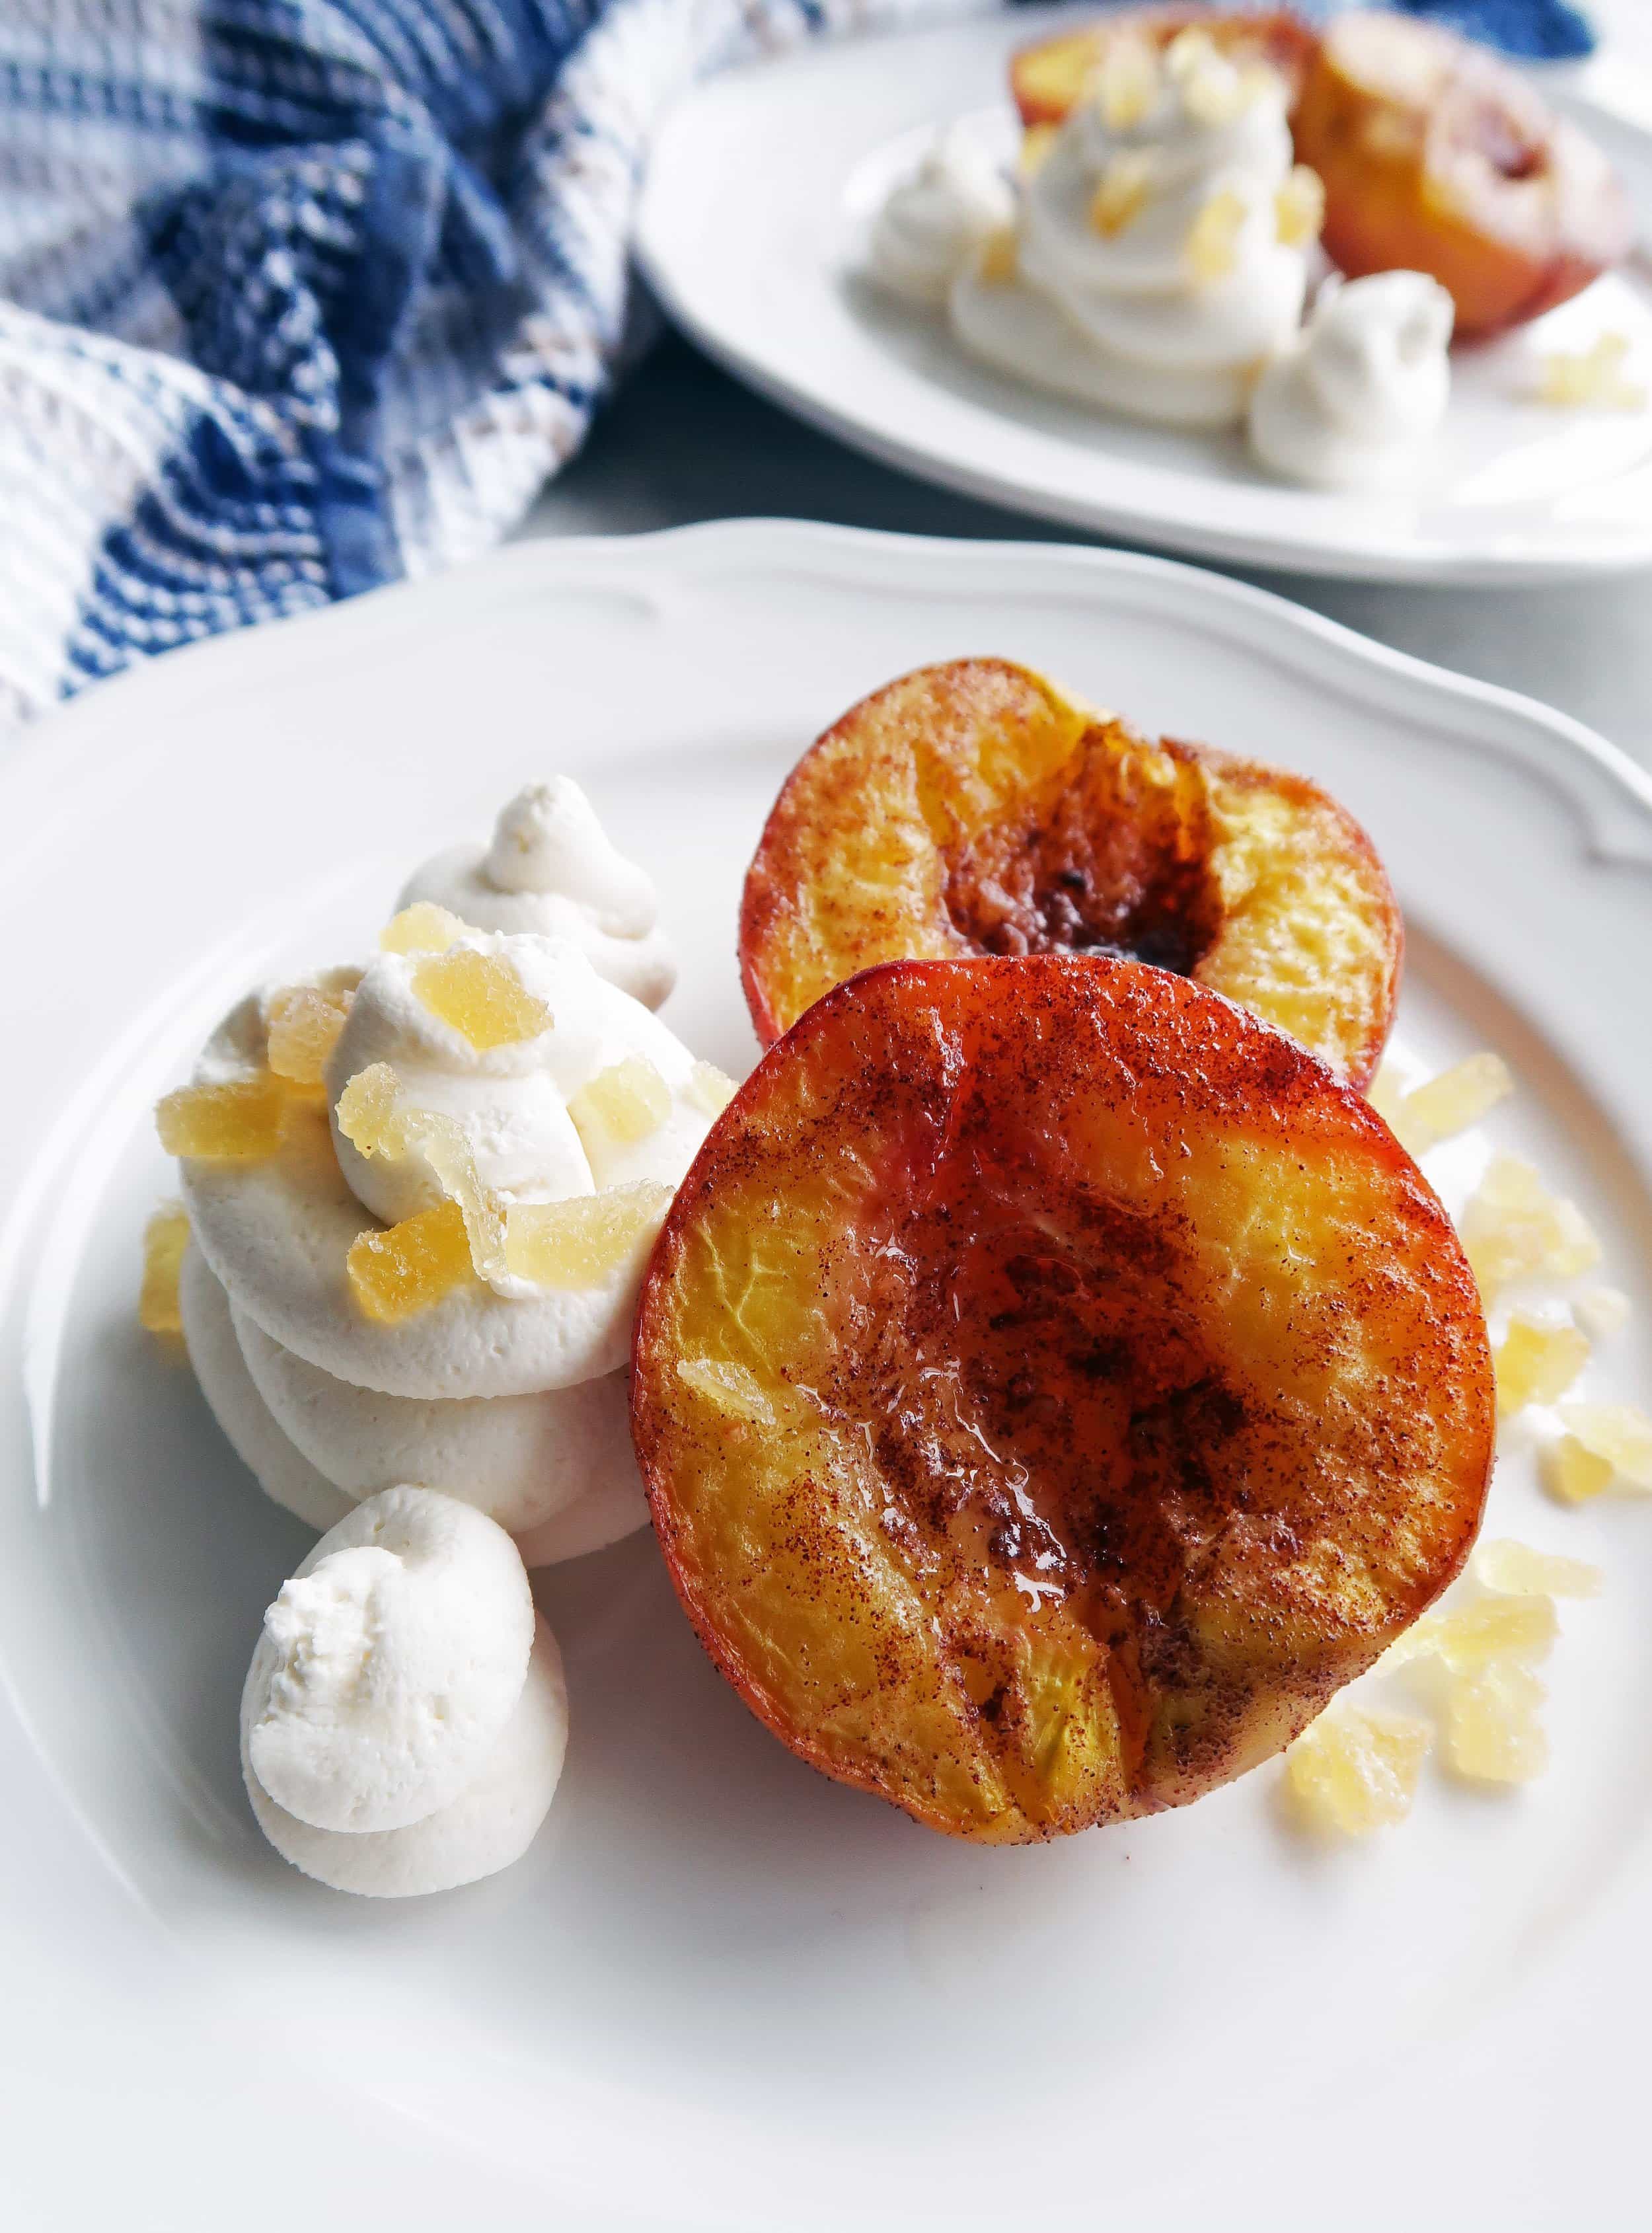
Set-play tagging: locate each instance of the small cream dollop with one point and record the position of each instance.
(389, 1663)
(1159, 258)
(936, 217)
(1353, 401)
(404, 1720)
(551, 868)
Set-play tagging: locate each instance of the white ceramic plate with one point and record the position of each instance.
(721, 1992)
(751, 230)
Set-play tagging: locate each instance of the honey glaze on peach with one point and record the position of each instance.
(1113, 856)
(1114, 1389)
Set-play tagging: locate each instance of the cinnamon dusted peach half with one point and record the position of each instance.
(973, 809)
(1047, 78)
(1050, 1386)
(1437, 157)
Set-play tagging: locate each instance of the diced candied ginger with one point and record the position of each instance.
(1620, 1433)
(1219, 90)
(396, 1274)
(239, 1121)
(1571, 1474)
(1459, 1097)
(1513, 1229)
(442, 1141)
(1492, 1733)
(1000, 258)
(1189, 52)
(1212, 249)
(583, 1241)
(1036, 143)
(730, 1388)
(1386, 1092)
(1355, 1771)
(1602, 1312)
(480, 996)
(1121, 193)
(620, 1105)
(1497, 1627)
(710, 1088)
(1536, 1363)
(304, 1026)
(164, 1239)
(1299, 208)
(1517, 1569)
(423, 928)
(368, 1112)
(1126, 84)
(1592, 379)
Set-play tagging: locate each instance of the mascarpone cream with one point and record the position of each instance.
(937, 217)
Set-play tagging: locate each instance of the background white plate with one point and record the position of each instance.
(753, 211)
(721, 1992)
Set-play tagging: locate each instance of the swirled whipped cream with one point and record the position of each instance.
(419, 1198)
(1161, 251)
(937, 217)
(404, 1720)
(551, 868)
(1355, 400)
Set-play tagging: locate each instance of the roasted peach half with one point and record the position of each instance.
(1047, 78)
(1437, 157)
(972, 809)
(1050, 1385)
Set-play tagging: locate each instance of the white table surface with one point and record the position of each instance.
(682, 441)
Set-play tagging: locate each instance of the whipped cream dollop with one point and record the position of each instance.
(937, 217)
(1161, 254)
(277, 1231)
(404, 1720)
(1355, 400)
(551, 868)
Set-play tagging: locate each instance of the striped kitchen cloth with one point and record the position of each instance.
(298, 296)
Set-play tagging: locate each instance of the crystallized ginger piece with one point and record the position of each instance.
(1036, 143)
(480, 996)
(1571, 1474)
(1000, 258)
(164, 1239)
(1353, 1771)
(1513, 1229)
(1386, 1092)
(368, 1112)
(1126, 84)
(304, 1026)
(442, 1141)
(1299, 208)
(1498, 1627)
(1459, 1097)
(620, 1105)
(1536, 1363)
(241, 1120)
(397, 1272)
(710, 1088)
(1592, 378)
(1212, 249)
(1602, 1312)
(1619, 1433)
(582, 1241)
(1121, 193)
(1492, 1733)
(423, 928)
(1517, 1569)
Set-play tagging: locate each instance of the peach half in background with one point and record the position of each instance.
(972, 808)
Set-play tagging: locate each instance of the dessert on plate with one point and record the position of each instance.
(1160, 247)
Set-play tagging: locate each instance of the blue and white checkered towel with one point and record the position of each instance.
(297, 296)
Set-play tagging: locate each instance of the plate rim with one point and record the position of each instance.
(1438, 565)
